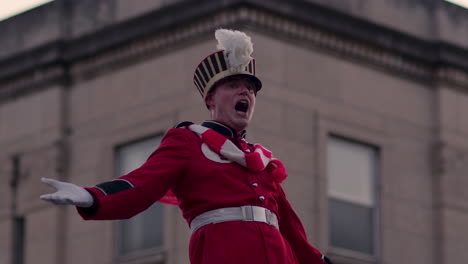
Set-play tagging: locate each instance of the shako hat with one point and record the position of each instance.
(232, 59)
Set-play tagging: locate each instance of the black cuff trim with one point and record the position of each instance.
(90, 211)
(114, 186)
(327, 260)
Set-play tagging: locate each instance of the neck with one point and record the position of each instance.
(238, 130)
(224, 129)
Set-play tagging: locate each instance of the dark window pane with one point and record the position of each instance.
(143, 231)
(351, 226)
(153, 226)
(18, 240)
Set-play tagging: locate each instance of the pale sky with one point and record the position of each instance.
(463, 3)
(10, 8)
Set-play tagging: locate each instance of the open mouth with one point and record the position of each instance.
(242, 106)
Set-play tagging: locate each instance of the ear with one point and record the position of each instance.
(209, 100)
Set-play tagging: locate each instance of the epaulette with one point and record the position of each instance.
(184, 124)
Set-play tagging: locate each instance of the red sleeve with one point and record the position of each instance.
(134, 192)
(291, 228)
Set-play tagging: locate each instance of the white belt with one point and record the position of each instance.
(242, 213)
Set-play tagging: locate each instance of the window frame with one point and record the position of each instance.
(344, 255)
(154, 255)
(371, 135)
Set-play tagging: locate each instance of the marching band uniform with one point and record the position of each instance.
(234, 203)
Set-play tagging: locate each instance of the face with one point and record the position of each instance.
(232, 102)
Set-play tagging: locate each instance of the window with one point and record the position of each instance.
(143, 233)
(352, 169)
(19, 222)
(18, 239)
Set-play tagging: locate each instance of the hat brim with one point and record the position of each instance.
(254, 79)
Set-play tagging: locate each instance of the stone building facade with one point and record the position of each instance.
(362, 100)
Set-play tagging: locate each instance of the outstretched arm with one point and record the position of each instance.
(134, 192)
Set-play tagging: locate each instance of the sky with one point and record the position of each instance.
(463, 3)
(10, 8)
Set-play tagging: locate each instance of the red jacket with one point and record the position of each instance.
(203, 181)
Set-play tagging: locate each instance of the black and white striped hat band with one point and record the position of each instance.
(214, 68)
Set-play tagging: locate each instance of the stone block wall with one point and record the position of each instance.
(316, 81)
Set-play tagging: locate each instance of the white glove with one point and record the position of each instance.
(67, 193)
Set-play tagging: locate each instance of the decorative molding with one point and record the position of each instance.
(23, 83)
(409, 57)
(343, 46)
(453, 76)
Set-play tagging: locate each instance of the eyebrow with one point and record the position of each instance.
(250, 85)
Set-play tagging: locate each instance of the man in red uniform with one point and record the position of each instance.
(228, 189)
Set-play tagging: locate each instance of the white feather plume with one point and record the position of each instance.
(237, 47)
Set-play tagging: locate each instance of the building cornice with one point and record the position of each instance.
(305, 23)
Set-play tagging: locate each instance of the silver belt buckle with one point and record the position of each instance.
(259, 214)
(254, 213)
